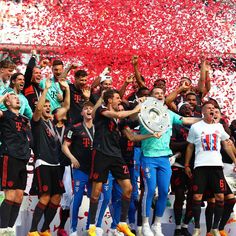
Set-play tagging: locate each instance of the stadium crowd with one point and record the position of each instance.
(90, 135)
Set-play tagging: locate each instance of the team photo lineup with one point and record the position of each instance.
(95, 137)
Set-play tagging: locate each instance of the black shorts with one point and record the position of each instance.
(102, 164)
(208, 178)
(49, 180)
(13, 173)
(179, 180)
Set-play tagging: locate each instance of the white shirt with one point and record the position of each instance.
(206, 138)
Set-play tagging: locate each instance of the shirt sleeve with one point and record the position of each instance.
(69, 135)
(176, 119)
(224, 135)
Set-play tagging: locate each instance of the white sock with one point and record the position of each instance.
(122, 223)
(184, 226)
(157, 220)
(145, 220)
(178, 227)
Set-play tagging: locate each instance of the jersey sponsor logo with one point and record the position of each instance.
(125, 169)
(86, 142)
(130, 146)
(18, 126)
(45, 188)
(209, 142)
(77, 98)
(10, 184)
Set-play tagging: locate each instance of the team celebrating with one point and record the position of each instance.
(88, 139)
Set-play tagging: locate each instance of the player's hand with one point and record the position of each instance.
(135, 60)
(75, 163)
(188, 172)
(48, 83)
(86, 92)
(59, 97)
(141, 99)
(63, 84)
(130, 79)
(137, 108)
(157, 134)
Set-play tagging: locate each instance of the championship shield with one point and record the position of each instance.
(154, 115)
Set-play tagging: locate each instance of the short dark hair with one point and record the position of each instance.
(80, 73)
(191, 93)
(208, 102)
(140, 90)
(57, 63)
(7, 64)
(13, 77)
(109, 94)
(88, 104)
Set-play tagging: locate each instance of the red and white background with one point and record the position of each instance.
(169, 36)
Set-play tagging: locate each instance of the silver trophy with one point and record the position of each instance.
(154, 115)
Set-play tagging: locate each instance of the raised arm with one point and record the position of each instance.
(39, 107)
(29, 70)
(137, 74)
(122, 90)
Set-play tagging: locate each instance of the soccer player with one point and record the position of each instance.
(15, 154)
(107, 157)
(77, 147)
(47, 166)
(206, 137)
(157, 170)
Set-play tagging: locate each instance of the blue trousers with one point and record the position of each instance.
(81, 180)
(157, 173)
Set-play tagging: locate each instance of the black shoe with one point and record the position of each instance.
(133, 231)
(184, 232)
(178, 232)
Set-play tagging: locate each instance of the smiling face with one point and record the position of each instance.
(6, 73)
(158, 93)
(192, 100)
(18, 83)
(46, 110)
(106, 84)
(87, 112)
(13, 102)
(36, 76)
(57, 70)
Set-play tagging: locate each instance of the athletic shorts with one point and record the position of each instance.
(208, 178)
(102, 164)
(49, 180)
(13, 173)
(179, 180)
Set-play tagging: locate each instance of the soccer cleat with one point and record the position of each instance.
(139, 231)
(196, 232)
(92, 231)
(184, 232)
(146, 230)
(45, 233)
(99, 231)
(156, 229)
(124, 228)
(223, 233)
(209, 234)
(215, 232)
(74, 233)
(35, 233)
(62, 232)
(114, 232)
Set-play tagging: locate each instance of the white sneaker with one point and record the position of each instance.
(139, 231)
(215, 232)
(11, 231)
(156, 229)
(196, 232)
(73, 233)
(99, 231)
(114, 232)
(146, 230)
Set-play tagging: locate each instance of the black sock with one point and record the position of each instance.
(64, 214)
(197, 212)
(219, 208)
(5, 213)
(49, 215)
(14, 213)
(124, 208)
(178, 208)
(189, 208)
(209, 212)
(38, 212)
(228, 209)
(93, 206)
